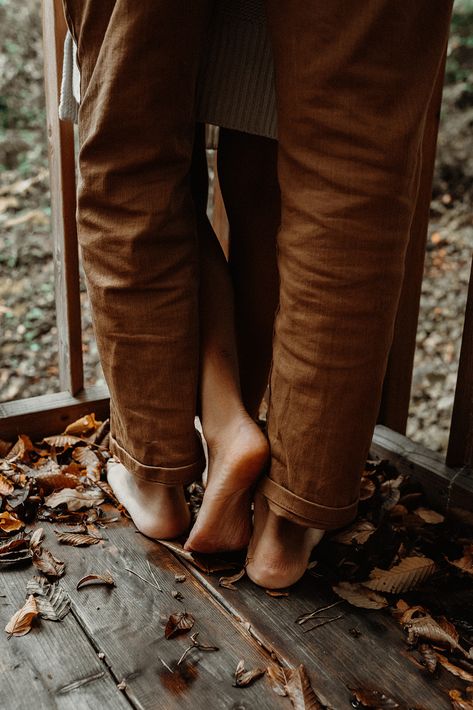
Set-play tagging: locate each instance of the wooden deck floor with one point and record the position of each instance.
(116, 635)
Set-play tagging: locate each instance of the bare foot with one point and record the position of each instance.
(158, 511)
(279, 550)
(236, 457)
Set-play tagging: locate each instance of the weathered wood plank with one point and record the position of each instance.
(397, 383)
(460, 445)
(335, 659)
(51, 413)
(447, 488)
(127, 624)
(54, 666)
(63, 205)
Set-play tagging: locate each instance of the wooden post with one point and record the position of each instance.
(63, 205)
(396, 396)
(460, 445)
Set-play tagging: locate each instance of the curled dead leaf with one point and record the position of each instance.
(420, 624)
(36, 538)
(92, 579)
(57, 481)
(295, 683)
(465, 563)
(21, 622)
(244, 678)
(459, 702)
(360, 596)
(178, 623)
(455, 670)
(229, 582)
(75, 499)
(15, 551)
(77, 539)
(277, 592)
(83, 426)
(406, 575)
(9, 522)
(47, 563)
(367, 488)
(429, 657)
(21, 449)
(6, 486)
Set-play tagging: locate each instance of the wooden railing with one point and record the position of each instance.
(48, 413)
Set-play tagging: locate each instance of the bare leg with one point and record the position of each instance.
(247, 168)
(237, 448)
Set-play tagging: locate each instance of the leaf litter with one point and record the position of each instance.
(397, 546)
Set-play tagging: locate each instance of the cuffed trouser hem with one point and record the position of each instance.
(305, 512)
(179, 475)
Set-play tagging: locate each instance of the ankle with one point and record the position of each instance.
(219, 430)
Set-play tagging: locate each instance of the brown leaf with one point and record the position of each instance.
(50, 482)
(425, 626)
(459, 702)
(63, 441)
(300, 691)
(228, 582)
(244, 678)
(277, 679)
(406, 575)
(179, 578)
(89, 459)
(359, 533)
(429, 657)
(36, 538)
(96, 579)
(360, 596)
(465, 563)
(74, 499)
(429, 516)
(47, 563)
(6, 486)
(77, 539)
(9, 522)
(370, 698)
(178, 623)
(15, 551)
(83, 426)
(367, 488)
(21, 621)
(456, 670)
(52, 600)
(20, 451)
(277, 592)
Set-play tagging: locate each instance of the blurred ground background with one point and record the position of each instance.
(28, 335)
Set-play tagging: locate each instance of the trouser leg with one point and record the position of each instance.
(353, 83)
(136, 221)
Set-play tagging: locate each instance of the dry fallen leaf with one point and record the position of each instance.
(63, 441)
(426, 627)
(359, 533)
(406, 575)
(178, 623)
(92, 579)
(75, 499)
(179, 578)
(277, 592)
(6, 486)
(83, 426)
(47, 563)
(295, 683)
(21, 449)
(9, 522)
(244, 678)
(15, 551)
(56, 481)
(77, 539)
(21, 621)
(52, 600)
(367, 488)
(36, 538)
(429, 657)
(459, 702)
(373, 699)
(456, 670)
(429, 516)
(465, 563)
(359, 595)
(228, 582)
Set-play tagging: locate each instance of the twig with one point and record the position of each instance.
(166, 665)
(306, 617)
(196, 644)
(154, 577)
(322, 623)
(144, 579)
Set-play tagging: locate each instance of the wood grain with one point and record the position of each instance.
(63, 205)
(54, 665)
(127, 624)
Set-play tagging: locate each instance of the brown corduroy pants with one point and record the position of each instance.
(353, 81)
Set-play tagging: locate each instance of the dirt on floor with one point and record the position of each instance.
(28, 333)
